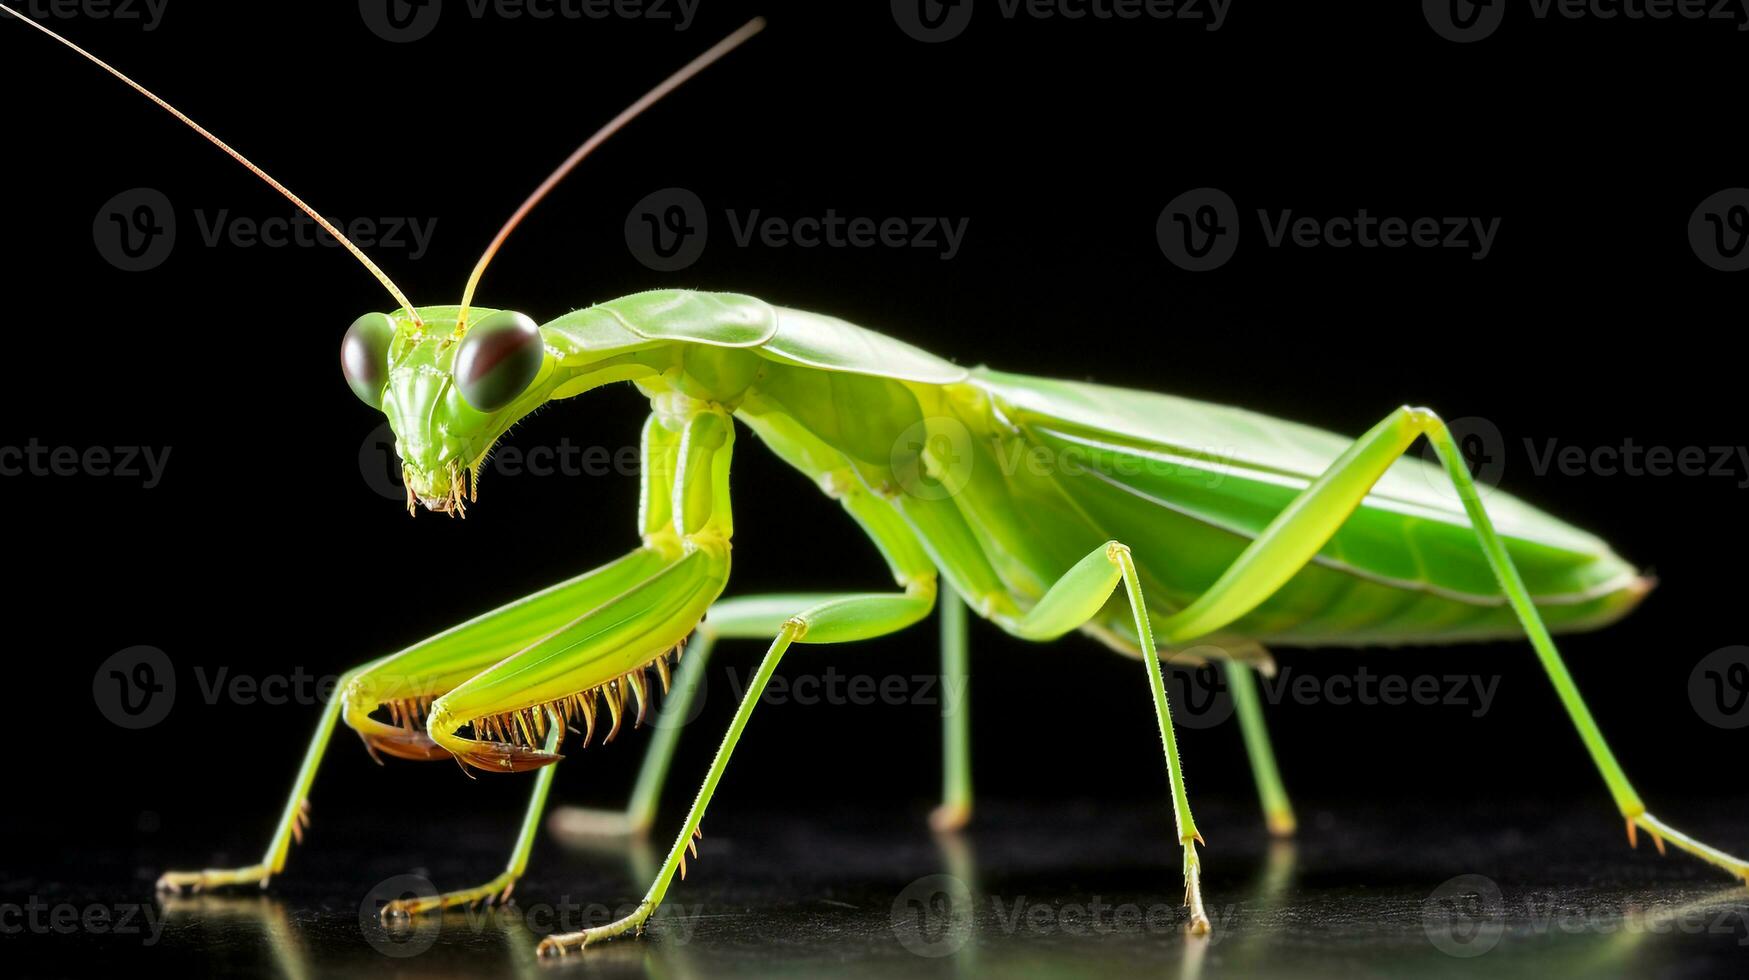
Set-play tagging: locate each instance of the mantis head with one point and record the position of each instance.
(449, 383)
(448, 393)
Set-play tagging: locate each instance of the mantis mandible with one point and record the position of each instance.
(1288, 536)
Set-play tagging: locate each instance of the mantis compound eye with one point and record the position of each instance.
(364, 357)
(497, 360)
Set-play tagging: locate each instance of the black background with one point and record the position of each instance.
(265, 550)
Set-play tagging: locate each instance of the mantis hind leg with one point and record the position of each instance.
(1278, 813)
(956, 748)
(1308, 522)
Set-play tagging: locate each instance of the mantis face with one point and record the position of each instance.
(448, 395)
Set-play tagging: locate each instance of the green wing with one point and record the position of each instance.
(1188, 484)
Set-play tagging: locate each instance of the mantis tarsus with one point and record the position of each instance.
(1124, 533)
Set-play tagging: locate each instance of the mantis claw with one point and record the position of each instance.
(195, 882)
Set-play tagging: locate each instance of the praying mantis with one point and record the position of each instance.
(1155, 525)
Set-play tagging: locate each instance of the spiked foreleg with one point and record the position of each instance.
(404, 684)
(590, 673)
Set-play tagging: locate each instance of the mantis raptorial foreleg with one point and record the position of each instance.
(640, 811)
(837, 619)
(1307, 524)
(406, 680)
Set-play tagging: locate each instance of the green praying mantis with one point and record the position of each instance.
(1128, 525)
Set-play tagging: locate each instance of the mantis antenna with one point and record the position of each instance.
(327, 226)
(614, 125)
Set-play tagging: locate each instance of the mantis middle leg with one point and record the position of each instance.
(744, 618)
(837, 619)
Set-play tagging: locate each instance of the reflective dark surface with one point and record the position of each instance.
(1063, 890)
